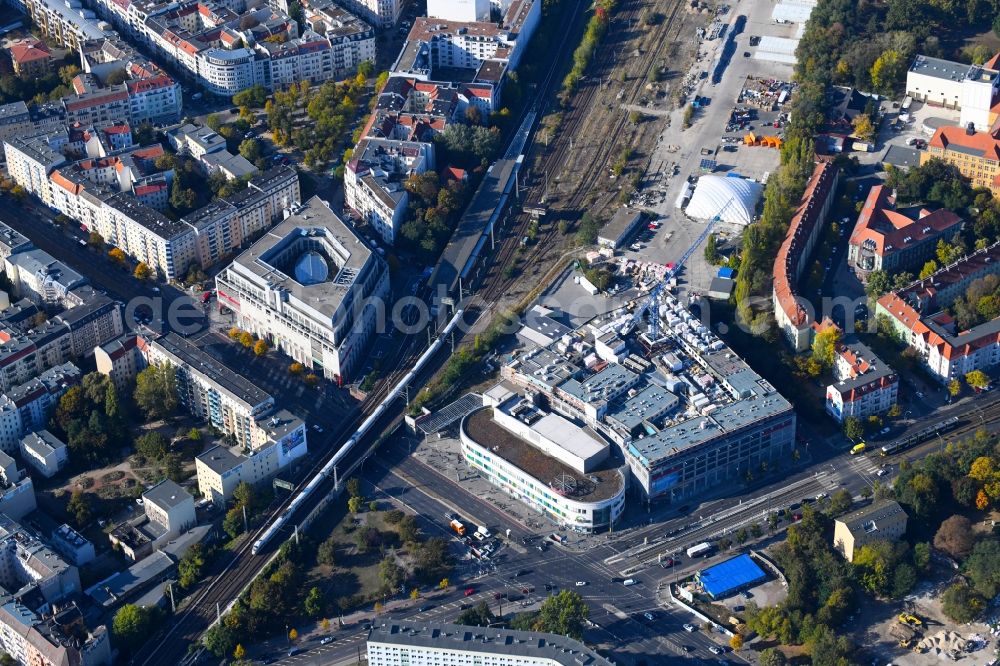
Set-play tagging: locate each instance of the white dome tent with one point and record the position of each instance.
(733, 199)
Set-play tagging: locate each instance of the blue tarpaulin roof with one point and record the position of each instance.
(726, 272)
(730, 576)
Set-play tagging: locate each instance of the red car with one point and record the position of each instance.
(469, 591)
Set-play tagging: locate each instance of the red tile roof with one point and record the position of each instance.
(804, 221)
(28, 50)
(951, 136)
(891, 231)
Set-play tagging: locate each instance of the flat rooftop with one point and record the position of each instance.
(602, 386)
(649, 403)
(481, 427)
(196, 359)
(939, 69)
(486, 207)
(220, 460)
(314, 227)
(508, 642)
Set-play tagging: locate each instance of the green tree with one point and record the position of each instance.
(954, 388)
(961, 603)
(232, 524)
(983, 568)
(326, 552)
(131, 625)
(79, 506)
(220, 639)
(250, 150)
(190, 567)
(354, 487)
(479, 615)
(563, 614)
(354, 504)
(390, 574)
(922, 556)
(586, 233)
(929, 269)
(712, 251)
(314, 605)
(887, 71)
(409, 532)
(772, 657)
(853, 428)
(182, 199)
(152, 446)
(156, 391)
(841, 502)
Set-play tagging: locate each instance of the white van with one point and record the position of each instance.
(629, 581)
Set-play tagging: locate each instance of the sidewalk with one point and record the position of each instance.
(444, 456)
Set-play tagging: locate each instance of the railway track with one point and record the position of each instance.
(226, 585)
(552, 161)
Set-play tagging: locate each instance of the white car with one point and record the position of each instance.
(688, 628)
(326, 641)
(581, 583)
(882, 472)
(714, 650)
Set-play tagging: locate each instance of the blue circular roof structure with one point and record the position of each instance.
(311, 268)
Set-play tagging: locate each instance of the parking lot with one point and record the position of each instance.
(679, 150)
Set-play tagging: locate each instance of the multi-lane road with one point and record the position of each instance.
(618, 612)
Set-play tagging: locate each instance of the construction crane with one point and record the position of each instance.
(652, 302)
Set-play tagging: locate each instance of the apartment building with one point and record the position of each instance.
(59, 640)
(864, 385)
(423, 644)
(45, 452)
(28, 406)
(30, 57)
(170, 507)
(410, 109)
(120, 360)
(352, 40)
(117, 194)
(68, 22)
(488, 49)
(974, 89)
(312, 288)
(466, 11)
(207, 388)
(17, 492)
(378, 13)
(15, 120)
(883, 520)
(917, 315)
(208, 148)
(27, 563)
(227, 53)
(976, 154)
(220, 469)
(37, 276)
(888, 239)
(374, 181)
(805, 228)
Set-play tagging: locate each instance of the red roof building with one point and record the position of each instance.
(885, 238)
